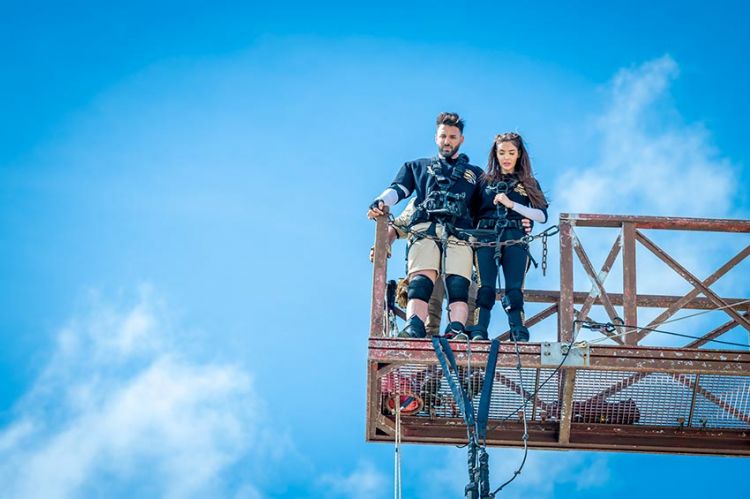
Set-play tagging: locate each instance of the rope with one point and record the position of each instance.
(397, 443)
(608, 326)
(525, 436)
(632, 329)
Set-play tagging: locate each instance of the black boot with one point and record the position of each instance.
(518, 332)
(456, 331)
(414, 328)
(478, 332)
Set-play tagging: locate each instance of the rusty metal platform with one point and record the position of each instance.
(626, 396)
(636, 399)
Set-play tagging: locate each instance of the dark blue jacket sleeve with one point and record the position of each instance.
(404, 177)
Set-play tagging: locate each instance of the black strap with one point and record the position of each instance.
(448, 363)
(484, 400)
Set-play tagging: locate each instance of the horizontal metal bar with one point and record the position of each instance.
(665, 223)
(647, 301)
(584, 436)
(603, 357)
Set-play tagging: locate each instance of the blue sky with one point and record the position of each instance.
(182, 198)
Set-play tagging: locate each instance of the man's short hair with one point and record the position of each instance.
(450, 119)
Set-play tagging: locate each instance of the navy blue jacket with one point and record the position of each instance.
(421, 177)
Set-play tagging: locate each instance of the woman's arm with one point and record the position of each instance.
(533, 213)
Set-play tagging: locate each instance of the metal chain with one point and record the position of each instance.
(422, 234)
(544, 253)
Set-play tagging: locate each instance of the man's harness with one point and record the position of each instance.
(444, 207)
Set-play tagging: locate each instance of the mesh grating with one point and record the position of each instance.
(662, 399)
(424, 392)
(604, 397)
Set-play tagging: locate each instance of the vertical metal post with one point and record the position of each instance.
(629, 290)
(379, 272)
(565, 309)
(692, 402)
(568, 377)
(536, 394)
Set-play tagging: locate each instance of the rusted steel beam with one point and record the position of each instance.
(565, 310)
(453, 431)
(667, 223)
(385, 425)
(724, 328)
(603, 274)
(584, 436)
(685, 274)
(641, 438)
(629, 291)
(671, 360)
(534, 320)
(589, 268)
(379, 272)
(690, 297)
(566, 415)
(644, 301)
(521, 392)
(729, 408)
(602, 357)
(619, 386)
(399, 312)
(420, 351)
(373, 398)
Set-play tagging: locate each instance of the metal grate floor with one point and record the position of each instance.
(603, 397)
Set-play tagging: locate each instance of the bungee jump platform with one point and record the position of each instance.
(611, 393)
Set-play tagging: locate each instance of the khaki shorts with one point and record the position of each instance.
(424, 254)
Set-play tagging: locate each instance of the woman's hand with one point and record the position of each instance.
(504, 200)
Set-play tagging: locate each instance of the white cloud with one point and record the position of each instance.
(364, 482)
(649, 161)
(120, 410)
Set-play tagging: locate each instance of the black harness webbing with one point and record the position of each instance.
(448, 363)
(479, 473)
(484, 400)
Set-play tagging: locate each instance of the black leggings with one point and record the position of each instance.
(514, 260)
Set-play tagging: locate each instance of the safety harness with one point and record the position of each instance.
(440, 204)
(476, 426)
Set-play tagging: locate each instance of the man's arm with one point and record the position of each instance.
(401, 187)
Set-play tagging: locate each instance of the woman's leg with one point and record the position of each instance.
(486, 280)
(514, 262)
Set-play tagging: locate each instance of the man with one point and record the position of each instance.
(444, 187)
(435, 305)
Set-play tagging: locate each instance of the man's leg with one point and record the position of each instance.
(423, 262)
(435, 309)
(458, 263)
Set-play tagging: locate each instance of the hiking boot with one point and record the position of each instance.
(456, 331)
(414, 328)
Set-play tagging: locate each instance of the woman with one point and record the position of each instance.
(510, 193)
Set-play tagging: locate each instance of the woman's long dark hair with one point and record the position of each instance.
(494, 172)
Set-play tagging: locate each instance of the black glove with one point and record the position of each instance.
(376, 204)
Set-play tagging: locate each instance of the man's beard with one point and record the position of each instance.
(448, 153)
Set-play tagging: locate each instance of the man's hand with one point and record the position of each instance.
(527, 225)
(376, 209)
